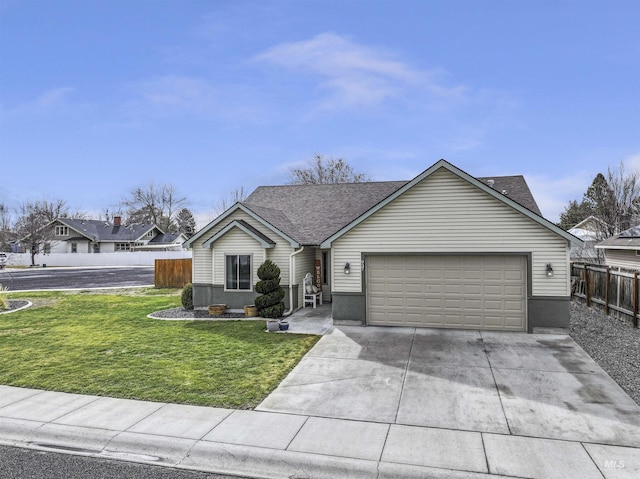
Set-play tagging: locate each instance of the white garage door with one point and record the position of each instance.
(471, 292)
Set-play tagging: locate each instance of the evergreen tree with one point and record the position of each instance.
(185, 222)
(269, 303)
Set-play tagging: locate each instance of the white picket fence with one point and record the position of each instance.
(125, 258)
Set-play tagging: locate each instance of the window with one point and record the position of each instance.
(123, 246)
(74, 247)
(150, 234)
(62, 231)
(96, 247)
(238, 272)
(47, 248)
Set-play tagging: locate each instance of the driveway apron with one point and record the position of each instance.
(542, 386)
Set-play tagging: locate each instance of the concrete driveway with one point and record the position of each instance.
(505, 384)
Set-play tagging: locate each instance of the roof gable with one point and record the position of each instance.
(248, 210)
(264, 240)
(466, 177)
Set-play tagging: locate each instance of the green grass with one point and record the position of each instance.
(103, 344)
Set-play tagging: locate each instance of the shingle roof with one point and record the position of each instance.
(628, 239)
(165, 238)
(312, 213)
(102, 231)
(516, 188)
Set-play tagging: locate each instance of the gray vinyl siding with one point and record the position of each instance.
(208, 263)
(445, 214)
(622, 258)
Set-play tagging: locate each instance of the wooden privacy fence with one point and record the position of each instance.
(172, 273)
(615, 291)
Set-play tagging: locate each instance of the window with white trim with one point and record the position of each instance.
(237, 272)
(123, 246)
(62, 231)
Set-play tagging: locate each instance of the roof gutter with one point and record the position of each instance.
(292, 276)
(636, 247)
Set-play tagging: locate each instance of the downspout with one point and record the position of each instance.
(292, 276)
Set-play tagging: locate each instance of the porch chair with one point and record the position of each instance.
(311, 293)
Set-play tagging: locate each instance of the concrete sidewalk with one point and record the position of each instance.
(274, 445)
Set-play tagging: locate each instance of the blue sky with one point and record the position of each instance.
(97, 97)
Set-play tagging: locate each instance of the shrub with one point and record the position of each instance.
(187, 296)
(4, 301)
(270, 303)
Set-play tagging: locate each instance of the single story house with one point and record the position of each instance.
(622, 250)
(442, 250)
(95, 236)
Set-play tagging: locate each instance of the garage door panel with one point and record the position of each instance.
(492, 289)
(472, 275)
(514, 306)
(414, 288)
(514, 275)
(514, 290)
(480, 292)
(452, 289)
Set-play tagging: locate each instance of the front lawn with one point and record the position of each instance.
(103, 344)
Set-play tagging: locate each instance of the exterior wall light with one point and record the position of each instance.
(549, 270)
(347, 268)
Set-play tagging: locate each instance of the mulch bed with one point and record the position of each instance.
(14, 304)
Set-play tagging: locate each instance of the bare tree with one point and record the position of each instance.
(618, 202)
(321, 171)
(157, 204)
(228, 200)
(33, 223)
(614, 200)
(5, 228)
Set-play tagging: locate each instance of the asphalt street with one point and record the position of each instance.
(17, 463)
(71, 278)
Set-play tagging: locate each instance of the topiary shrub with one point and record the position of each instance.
(187, 296)
(269, 303)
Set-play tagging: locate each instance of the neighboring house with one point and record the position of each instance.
(95, 236)
(622, 250)
(442, 250)
(11, 243)
(589, 231)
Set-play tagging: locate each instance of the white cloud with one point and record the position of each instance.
(632, 162)
(178, 92)
(553, 194)
(53, 98)
(50, 100)
(355, 75)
